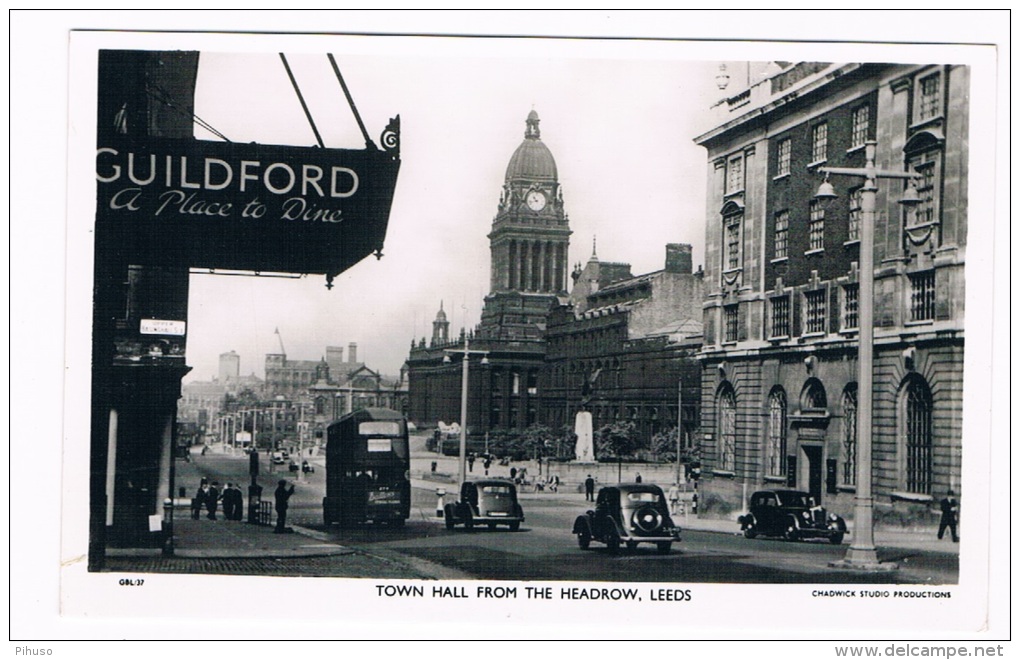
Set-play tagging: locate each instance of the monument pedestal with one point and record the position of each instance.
(584, 450)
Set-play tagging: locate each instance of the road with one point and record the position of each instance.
(544, 549)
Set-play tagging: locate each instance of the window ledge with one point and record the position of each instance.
(812, 335)
(849, 331)
(815, 251)
(816, 164)
(734, 193)
(724, 473)
(731, 342)
(775, 479)
(919, 323)
(920, 498)
(927, 123)
(855, 149)
(779, 338)
(847, 488)
(779, 260)
(780, 177)
(852, 241)
(921, 225)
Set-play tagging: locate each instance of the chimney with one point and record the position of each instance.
(352, 352)
(678, 258)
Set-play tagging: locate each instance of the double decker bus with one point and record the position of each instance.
(368, 463)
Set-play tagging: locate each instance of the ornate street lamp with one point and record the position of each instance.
(466, 352)
(862, 554)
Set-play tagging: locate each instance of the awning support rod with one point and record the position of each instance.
(302, 99)
(350, 102)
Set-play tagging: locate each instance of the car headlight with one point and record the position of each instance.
(832, 517)
(806, 515)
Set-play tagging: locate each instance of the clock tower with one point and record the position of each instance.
(528, 243)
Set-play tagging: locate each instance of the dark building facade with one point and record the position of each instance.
(633, 341)
(779, 390)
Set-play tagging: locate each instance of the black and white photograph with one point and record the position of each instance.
(568, 335)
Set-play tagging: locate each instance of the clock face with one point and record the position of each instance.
(535, 200)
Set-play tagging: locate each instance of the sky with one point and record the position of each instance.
(620, 125)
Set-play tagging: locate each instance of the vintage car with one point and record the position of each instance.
(629, 514)
(489, 502)
(792, 515)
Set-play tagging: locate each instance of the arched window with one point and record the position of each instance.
(848, 450)
(775, 441)
(727, 451)
(320, 406)
(918, 441)
(813, 398)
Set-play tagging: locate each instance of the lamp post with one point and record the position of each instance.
(862, 554)
(467, 353)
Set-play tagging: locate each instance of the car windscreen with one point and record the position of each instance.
(643, 496)
(496, 490)
(793, 499)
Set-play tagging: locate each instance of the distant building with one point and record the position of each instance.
(779, 378)
(631, 343)
(230, 366)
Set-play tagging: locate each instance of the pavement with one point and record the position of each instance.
(223, 539)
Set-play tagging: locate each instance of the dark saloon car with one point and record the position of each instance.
(792, 515)
(629, 514)
(485, 502)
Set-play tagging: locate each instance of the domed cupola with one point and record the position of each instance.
(532, 161)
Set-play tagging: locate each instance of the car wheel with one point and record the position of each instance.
(750, 532)
(515, 525)
(492, 526)
(469, 524)
(632, 545)
(663, 547)
(583, 540)
(790, 533)
(449, 520)
(614, 544)
(836, 539)
(397, 522)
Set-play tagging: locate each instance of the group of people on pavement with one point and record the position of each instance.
(209, 497)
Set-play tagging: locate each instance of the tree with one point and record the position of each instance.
(616, 440)
(537, 441)
(664, 445)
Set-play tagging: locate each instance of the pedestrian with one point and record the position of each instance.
(198, 501)
(236, 503)
(637, 478)
(589, 489)
(674, 498)
(513, 474)
(949, 511)
(471, 462)
(212, 500)
(282, 496)
(487, 463)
